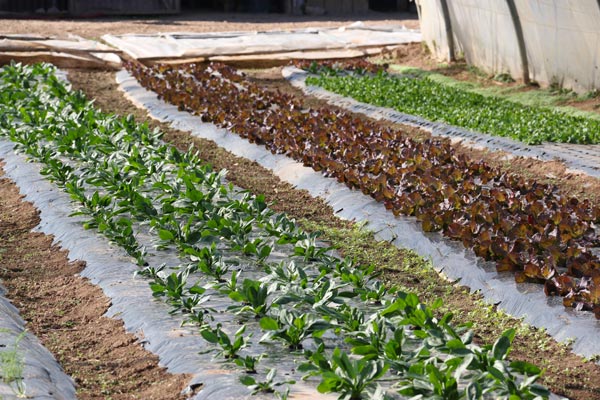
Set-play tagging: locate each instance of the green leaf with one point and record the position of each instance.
(165, 235)
(247, 380)
(474, 391)
(236, 296)
(501, 347)
(269, 324)
(197, 290)
(210, 336)
(525, 368)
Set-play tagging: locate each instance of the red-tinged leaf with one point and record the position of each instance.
(520, 277)
(595, 276)
(454, 230)
(483, 251)
(519, 231)
(505, 265)
(594, 293)
(569, 300)
(428, 225)
(499, 195)
(532, 271)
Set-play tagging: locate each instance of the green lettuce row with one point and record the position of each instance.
(438, 102)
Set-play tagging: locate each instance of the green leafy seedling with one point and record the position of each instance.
(269, 385)
(229, 347)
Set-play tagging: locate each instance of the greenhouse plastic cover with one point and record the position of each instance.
(450, 258)
(578, 158)
(562, 38)
(188, 45)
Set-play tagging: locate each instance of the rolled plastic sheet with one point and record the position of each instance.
(577, 157)
(168, 45)
(525, 301)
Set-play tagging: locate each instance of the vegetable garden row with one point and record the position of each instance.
(527, 228)
(438, 102)
(243, 264)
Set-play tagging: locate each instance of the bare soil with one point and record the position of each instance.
(67, 312)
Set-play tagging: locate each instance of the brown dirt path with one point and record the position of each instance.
(67, 313)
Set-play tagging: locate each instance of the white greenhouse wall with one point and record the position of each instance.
(562, 38)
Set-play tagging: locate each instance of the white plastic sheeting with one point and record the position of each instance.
(562, 38)
(182, 45)
(79, 51)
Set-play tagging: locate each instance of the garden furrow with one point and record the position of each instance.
(522, 300)
(577, 157)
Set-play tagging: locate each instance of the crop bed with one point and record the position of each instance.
(242, 262)
(525, 227)
(438, 102)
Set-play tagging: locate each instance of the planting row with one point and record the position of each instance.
(525, 227)
(333, 67)
(240, 261)
(435, 101)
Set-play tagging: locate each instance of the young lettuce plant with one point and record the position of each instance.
(121, 232)
(353, 379)
(254, 296)
(287, 273)
(229, 347)
(324, 292)
(284, 229)
(293, 328)
(209, 261)
(309, 249)
(502, 375)
(269, 385)
(376, 292)
(370, 342)
(347, 318)
(482, 372)
(249, 362)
